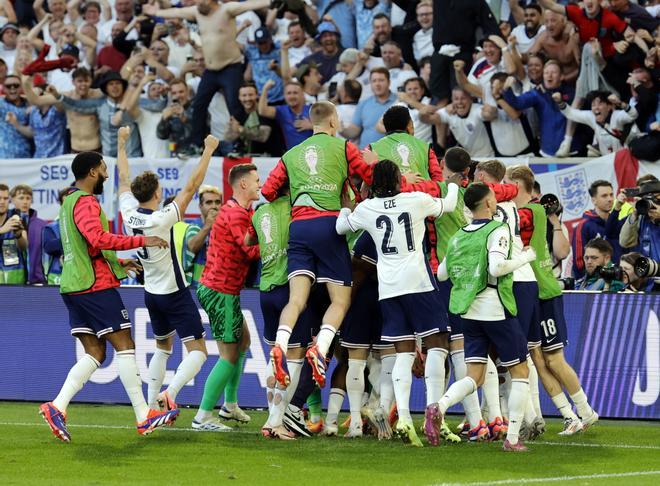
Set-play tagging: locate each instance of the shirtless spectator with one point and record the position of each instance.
(556, 43)
(223, 56)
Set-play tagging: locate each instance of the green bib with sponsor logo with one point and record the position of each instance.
(467, 265)
(542, 266)
(271, 222)
(448, 224)
(406, 151)
(317, 169)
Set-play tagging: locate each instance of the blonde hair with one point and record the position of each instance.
(523, 174)
(203, 189)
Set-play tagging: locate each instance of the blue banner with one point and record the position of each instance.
(614, 347)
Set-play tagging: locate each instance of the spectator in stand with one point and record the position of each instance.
(463, 117)
(594, 224)
(424, 69)
(642, 231)
(365, 11)
(249, 131)
(13, 241)
(310, 79)
(635, 15)
(8, 40)
(180, 43)
(352, 65)
(400, 72)
(558, 44)
(597, 257)
(262, 60)
(292, 117)
(612, 127)
(124, 12)
(297, 47)
(644, 99)
(13, 113)
(369, 111)
(176, 122)
(327, 58)
(349, 93)
(157, 59)
(343, 16)
(634, 283)
(7, 12)
(423, 38)
(552, 122)
(21, 198)
(109, 57)
(83, 127)
(529, 19)
(51, 247)
(414, 98)
(210, 200)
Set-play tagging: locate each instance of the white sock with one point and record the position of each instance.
(534, 388)
(186, 371)
(355, 388)
(505, 390)
(402, 381)
(386, 386)
(374, 367)
(561, 402)
(78, 375)
(325, 337)
(434, 374)
(491, 391)
(295, 367)
(130, 378)
(270, 384)
(282, 337)
(157, 368)
(279, 407)
(457, 392)
(470, 402)
(335, 401)
(517, 401)
(582, 404)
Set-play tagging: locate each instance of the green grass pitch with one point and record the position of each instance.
(106, 449)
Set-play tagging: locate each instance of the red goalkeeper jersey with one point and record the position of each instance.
(228, 257)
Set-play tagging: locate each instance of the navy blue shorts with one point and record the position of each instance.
(98, 313)
(455, 321)
(272, 303)
(506, 336)
(554, 333)
(527, 301)
(363, 324)
(174, 313)
(316, 250)
(365, 249)
(410, 315)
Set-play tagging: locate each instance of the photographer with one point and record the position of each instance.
(634, 283)
(557, 233)
(176, 123)
(601, 273)
(641, 230)
(14, 243)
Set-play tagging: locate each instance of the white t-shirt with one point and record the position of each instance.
(423, 43)
(524, 42)
(161, 268)
(297, 54)
(423, 131)
(396, 225)
(248, 34)
(470, 131)
(486, 305)
(152, 146)
(507, 212)
(508, 134)
(399, 76)
(345, 112)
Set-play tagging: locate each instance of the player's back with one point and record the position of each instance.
(397, 227)
(163, 269)
(507, 212)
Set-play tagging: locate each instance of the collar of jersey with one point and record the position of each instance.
(145, 210)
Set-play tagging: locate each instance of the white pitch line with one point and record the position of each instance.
(583, 444)
(555, 479)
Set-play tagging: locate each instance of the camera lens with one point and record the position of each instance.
(646, 267)
(642, 206)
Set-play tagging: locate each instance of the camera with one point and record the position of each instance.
(567, 283)
(551, 204)
(647, 267)
(609, 274)
(644, 205)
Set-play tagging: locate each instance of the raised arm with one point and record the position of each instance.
(235, 9)
(33, 98)
(265, 109)
(517, 11)
(39, 11)
(33, 35)
(10, 13)
(122, 160)
(183, 198)
(553, 6)
(187, 13)
(462, 80)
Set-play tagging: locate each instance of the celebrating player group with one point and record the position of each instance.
(393, 262)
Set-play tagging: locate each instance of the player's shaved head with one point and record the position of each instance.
(84, 162)
(495, 169)
(397, 119)
(475, 194)
(523, 175)
(321, 113)
(457, 159)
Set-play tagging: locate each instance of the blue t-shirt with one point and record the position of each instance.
(49, 132)
(343, 14)
(261, 72)
(285, 118)
(366, 116)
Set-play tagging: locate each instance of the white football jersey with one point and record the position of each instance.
(396, 225)
(507, 212)
(163, 269)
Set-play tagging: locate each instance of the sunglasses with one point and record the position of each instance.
(12, 86)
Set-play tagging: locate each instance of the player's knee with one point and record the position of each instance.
(97, 352)
(554, 360)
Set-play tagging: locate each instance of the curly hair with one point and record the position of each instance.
(144, 186)
(386, 179)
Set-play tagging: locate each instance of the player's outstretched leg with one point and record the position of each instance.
(187, 370)
(157, 368)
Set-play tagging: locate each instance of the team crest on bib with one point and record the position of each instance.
(404, 154)
(311, 159)
(573, 191)
(266, 228)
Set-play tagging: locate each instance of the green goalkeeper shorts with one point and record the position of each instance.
(224, 313)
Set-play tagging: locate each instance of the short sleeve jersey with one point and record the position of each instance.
(507, 212)
(396, 225)
(600, 27)
(163, 269)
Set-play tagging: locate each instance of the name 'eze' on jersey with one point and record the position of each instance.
(163, 269)
(397, 227)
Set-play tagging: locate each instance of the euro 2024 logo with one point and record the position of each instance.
(573, 191)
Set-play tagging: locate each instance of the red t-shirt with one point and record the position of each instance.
(228, 257)
(86, 215)
(600, 27)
